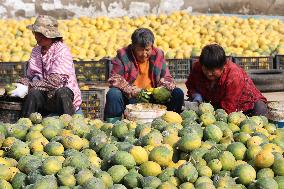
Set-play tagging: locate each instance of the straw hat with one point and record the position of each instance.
(46, 25)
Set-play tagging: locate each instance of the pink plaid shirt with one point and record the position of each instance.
(53, 70)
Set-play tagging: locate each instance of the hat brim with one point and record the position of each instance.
(54, 34)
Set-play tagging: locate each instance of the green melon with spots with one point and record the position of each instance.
(189, 142)
(224, 181)
(228, 160)
(259, 121)
(159, 124)
(242, 137)
(132, 180)
(119, 129)
(204, 171)
(5, 184)
(213, 133)
(280, 181)
(124, 158)
(207, 119)
(236, 118)
(95, 183)
(266, 183)
(46, 182)
(19, 180)
(67, 180)
(50, 131)
(203, 179)
(252, 152)
(54, 149)
(17, 131)
(187, 173)
(19, 149)
(84, 176)
(186, 185)
(166, 174)
(36, 118)
(211, 154)
(105, 177)
(51, 165)
(248, 126)
(161, 155)
(108, 151)
(166, 185)
(117, 172)
(270, 127)
(265, 172)
(150, 181)
(238, 149)
(278, 167)
(245, 174)
(205, 185)
(192, 129)
(215, 165)
(205, 108)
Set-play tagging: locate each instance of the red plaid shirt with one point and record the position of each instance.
(234, 91)
(125, 70)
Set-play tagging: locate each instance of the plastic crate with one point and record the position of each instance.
(179, 68)
(279, 61)
(11, 71)
(195, 58)
(248, 63)
(10, 109)
(92, 71)
(93, 101)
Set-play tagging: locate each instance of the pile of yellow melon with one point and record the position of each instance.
(179, 34)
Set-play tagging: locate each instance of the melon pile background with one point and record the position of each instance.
(179, 34)
(203, 150)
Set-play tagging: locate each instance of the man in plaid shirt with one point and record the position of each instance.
(139, 66)
(224, 84)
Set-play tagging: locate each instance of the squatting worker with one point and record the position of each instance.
(226, 85)
(138, 66)
(50, 86)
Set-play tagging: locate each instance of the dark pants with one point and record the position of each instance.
(259, 108)
(38, 101)
(116, 102)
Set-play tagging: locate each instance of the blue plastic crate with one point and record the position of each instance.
(280, 124)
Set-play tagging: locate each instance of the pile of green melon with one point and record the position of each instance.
(205, 149)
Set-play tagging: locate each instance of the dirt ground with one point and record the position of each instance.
(272, 96)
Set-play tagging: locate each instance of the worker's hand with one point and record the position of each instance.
(170, 85)
(21, 91)
(135, 91)
(197, 97)
(36, 78)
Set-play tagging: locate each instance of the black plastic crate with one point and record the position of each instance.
(248, 63)
(92, 71)
(179, 68)
(195, 58)
(279, 61)
(10, 109)
(11, 71)
(93, 101)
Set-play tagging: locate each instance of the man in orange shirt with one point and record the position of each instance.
(139, 66)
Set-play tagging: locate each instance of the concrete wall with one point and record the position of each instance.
(112, 8)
